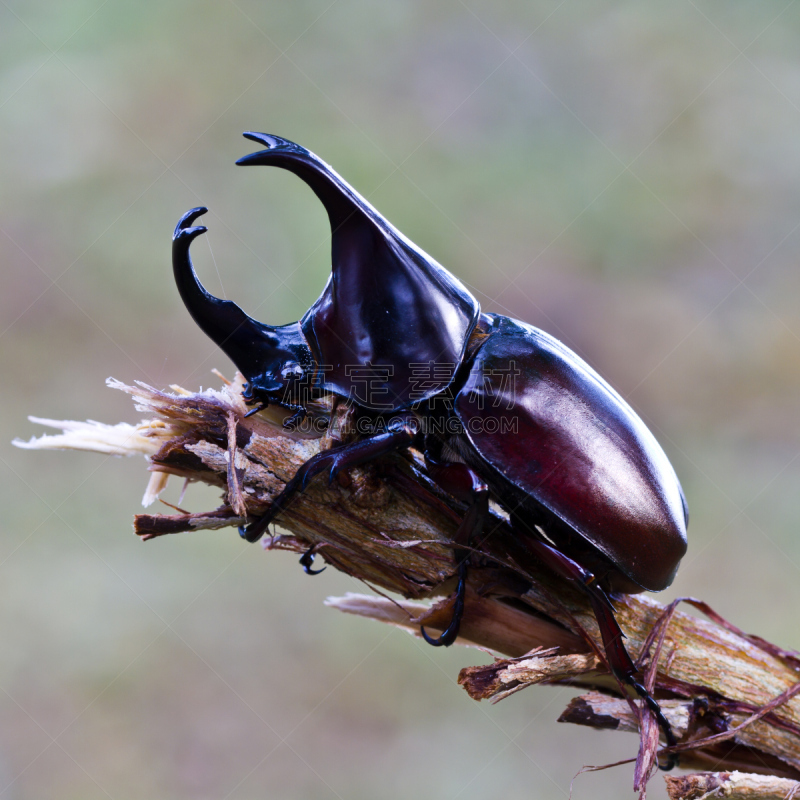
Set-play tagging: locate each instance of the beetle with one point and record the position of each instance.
(527, 423)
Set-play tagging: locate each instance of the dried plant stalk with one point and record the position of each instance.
(731, 785)
(389, 526)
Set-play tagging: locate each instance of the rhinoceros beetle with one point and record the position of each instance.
(528, 423)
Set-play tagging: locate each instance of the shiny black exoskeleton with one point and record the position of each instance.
(534, 428)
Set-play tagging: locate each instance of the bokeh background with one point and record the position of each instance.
(625, 175)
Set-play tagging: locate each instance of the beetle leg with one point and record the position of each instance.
(618, 658)
(464, 484)
(400, 434)
(623, 667)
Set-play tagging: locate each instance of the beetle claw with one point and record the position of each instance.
(450, 633)
(259, 407)
(334, 471)
(445, 640)
(255, 530)
(307, 559)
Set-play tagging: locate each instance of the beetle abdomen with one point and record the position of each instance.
(557, 432)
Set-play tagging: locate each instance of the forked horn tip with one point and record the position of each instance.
(187, 219)
(267, 139)
(271, 145)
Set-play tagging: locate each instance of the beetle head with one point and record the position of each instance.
(387, 310)
(276, 361)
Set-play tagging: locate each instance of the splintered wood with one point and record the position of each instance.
(732, 786)
(731, 698)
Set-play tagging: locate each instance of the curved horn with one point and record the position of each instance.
(388, 302)
(248, 343)
(341, 201)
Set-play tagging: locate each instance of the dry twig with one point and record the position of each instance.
(730, 697)
(731, 785)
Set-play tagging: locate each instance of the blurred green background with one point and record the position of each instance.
(625, 175)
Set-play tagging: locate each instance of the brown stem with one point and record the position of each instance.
(730, 697)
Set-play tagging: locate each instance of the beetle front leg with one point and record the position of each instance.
(401, 432)
(465, 485)
(619, 660)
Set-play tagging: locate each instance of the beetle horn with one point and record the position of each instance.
(245, 341)
(388, 302)
(341, 201)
